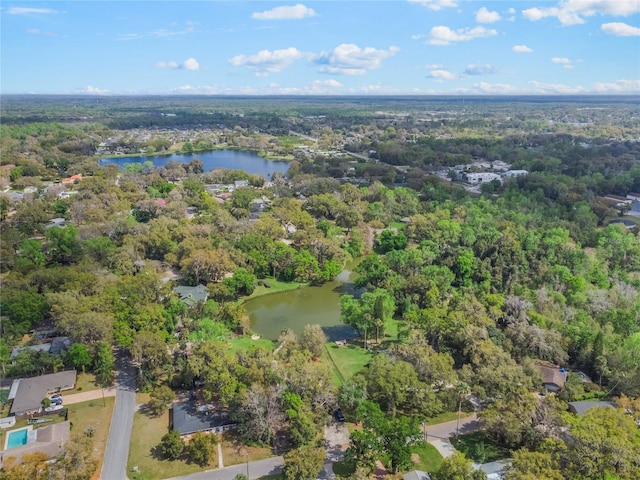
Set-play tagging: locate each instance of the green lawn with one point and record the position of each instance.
(445, 417)
(347, 360)
(245, 343)
(480, 447)
(97, 415)
(275, 286)
(398, 225)
(426, 457)
(146, 435)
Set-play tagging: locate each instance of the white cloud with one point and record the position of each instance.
(36, 31)
(158, 33)
(191, 64)
(94, 90)
(485, 16)
(267, 61)
(440, 74)
(350, 59)
(30, 11)
(511, 11)
(442, 35)
(562, 60)
(617, 87)
(572, 12)
(485, 69)
(188, 64)
(434, 66)
(497, 89)
(557, 88)
(620, 29)
(521, 49)
(294, 12)
(436, 4)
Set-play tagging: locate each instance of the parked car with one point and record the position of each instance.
(56, 399)
(338, 415)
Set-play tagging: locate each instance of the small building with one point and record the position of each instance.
(187, 419)
(634, 196)
(618, 200)
(192, 295)
(31, 391)
(479, 178)
(72, 179)
(580, 408)
(553, 377)
(43, 347)
(416, 475)
(515, 173)
(49, 440)
(241, 183)
(55, 222)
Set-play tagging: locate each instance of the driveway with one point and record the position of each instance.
(336, 441)
(114, 465)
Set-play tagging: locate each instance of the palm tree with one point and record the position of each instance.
(463, 389)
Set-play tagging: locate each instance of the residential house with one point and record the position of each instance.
(192, 295)
(72, 179)
(553, 377)
(49, 440)
(416, 475)
(55, 222)
(188, 418)
(479, 178)
(634, 196)
(29, 392)
(580, 408)
(241, 183)
(515, 173)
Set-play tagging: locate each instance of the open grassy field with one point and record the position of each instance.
(347, 360)
(275, 287)
(245, 343)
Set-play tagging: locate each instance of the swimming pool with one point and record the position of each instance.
(17, 438)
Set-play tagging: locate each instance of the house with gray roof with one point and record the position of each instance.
(580, 408)
(188, 418)
(30, 392)
(192, 295)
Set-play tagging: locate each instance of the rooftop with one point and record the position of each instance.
(581, 408)
(187, 419)
(192, 295)
(31, 391)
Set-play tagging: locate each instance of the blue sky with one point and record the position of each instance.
(323, 47)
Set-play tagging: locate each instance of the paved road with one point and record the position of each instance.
(114, 466)
(261, 468)
(448, 429)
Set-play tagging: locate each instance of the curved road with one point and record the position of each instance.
(114, 466)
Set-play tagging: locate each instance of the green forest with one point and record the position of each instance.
(463, 293)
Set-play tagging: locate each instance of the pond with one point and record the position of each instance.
(294, 309)
(231, 159)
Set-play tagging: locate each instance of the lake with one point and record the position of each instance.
(231, 159)
(294, 309)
